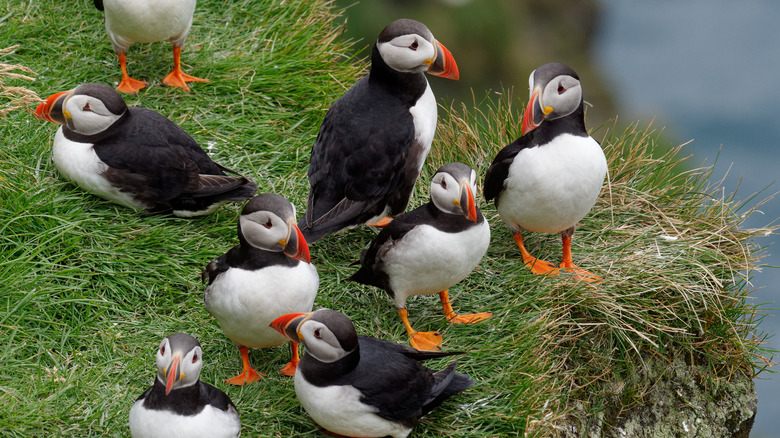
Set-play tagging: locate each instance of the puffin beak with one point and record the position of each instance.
(288, 324)
(466, 202)
(171, 373)
(534, 112)
(50, 110)
(295, 245)
(443, 64)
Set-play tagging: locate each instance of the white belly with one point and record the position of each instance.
(147, 21)
(246, 302)
(551, 188)
(79, 163)
(424, 114)
(428, 261)
(209, 423)
(339, 410)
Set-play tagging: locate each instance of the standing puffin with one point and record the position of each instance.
(179, 404)
(360, 386)
(268, 274)
(374, 139)
(148, 21)
(548, 180)
(135, 156)
(429, 249)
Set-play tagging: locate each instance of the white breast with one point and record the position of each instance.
(79, 163)
(552, 187)
(147, 21)
(339, 409)
(424, 114)
(428, 261)
(246, 302)
(209, 423)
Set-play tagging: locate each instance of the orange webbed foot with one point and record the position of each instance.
(246, 376)
(426, 341)
(130, 85)
(381, 222)
(471, 318)
(579, 274)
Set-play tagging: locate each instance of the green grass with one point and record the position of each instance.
(89, 288)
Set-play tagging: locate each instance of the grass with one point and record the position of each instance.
(89, 288)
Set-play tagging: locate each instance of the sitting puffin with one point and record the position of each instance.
(430, 249)
(179, 404)
(268, 274)
(374, 139)
(148, 21)
(360, 386)
(548, 180)
(135, 156)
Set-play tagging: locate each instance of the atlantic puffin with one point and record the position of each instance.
(374, 139)
(429, 249)
(266, 275)
(179, 404)
(134, 156)
(362, 386)
(548, 180)
(148, 21)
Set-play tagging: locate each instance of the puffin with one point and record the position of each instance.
(361, 386)
(148, 21)
(134, 156)
(374, 139)
(266, 275)
(547, 180)
(429, 249)
(179, 404)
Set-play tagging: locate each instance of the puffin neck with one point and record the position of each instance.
(108, 132)
(406, 86)
(573, 124)
(322, 374)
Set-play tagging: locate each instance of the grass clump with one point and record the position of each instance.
(89, 288)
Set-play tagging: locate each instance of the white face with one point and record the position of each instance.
(188, 365)
(447, 192)
(563, 95)
(87, 115)
(265, 230)
(408, 53)
(320, 342)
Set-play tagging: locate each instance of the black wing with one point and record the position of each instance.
(498, 171)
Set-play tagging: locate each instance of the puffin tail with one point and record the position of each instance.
(446, 384)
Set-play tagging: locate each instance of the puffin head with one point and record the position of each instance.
(88, 109)
(555, 92)
(179, 360)
(327, 335)
(408, 46)
(268, 222)
(452, 190)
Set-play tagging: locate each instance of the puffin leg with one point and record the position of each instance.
(427, 341)
(454, 318)
(568, 264)
(177, 78)
(381, 222)
(289, 369)
(539, 267)
(248, 374)
(128, 84)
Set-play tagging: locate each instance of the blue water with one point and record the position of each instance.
(709, 70)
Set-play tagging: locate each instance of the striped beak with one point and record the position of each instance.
(288, 324)
(50, 110)
(295, 245)
(443, 64)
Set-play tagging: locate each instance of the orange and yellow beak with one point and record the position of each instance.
(466, 202)
(171, 374)
(443, 64)
(288, 324)
(534, 112)
(50, 110)
(295, 245)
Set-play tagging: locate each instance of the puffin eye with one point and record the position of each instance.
(561, 88)
(268, 224)
(194, 357)
(162, 350)
(317, 334)
(414, 45)
(443, 184)
(86, 107)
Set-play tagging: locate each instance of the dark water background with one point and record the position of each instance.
(703, 70)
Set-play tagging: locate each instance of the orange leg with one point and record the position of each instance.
(289, 369)
(420, 340)
(381, 222)
(536, 266)
(248, 374)
(454, 318)
(128, 84)
(177, 78)
(568, 265)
